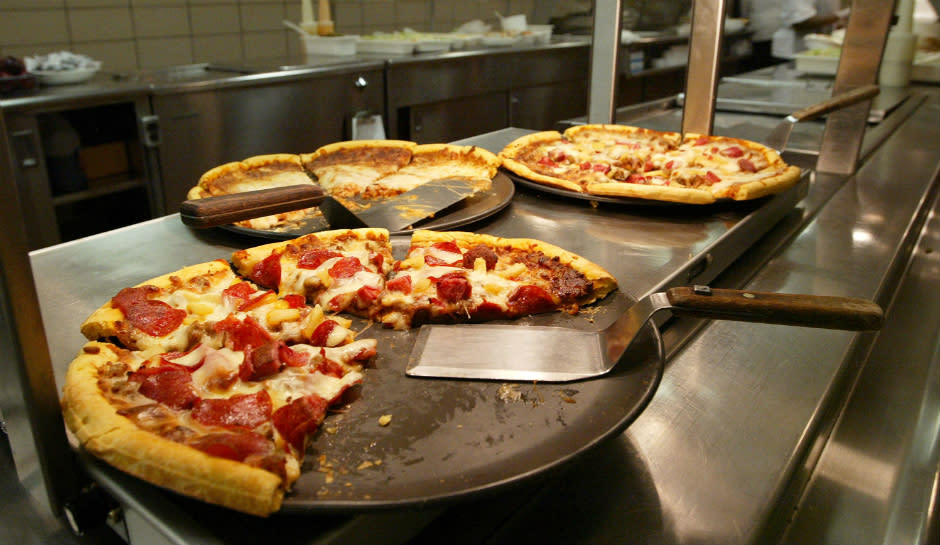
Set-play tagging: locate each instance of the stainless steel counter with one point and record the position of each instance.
(757, 433)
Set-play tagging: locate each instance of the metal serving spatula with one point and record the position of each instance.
(780, 135)
(558, 354)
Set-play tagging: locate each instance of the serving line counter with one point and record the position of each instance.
(754, 433)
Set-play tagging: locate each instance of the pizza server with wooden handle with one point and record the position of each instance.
(395, 213)
(780, 135)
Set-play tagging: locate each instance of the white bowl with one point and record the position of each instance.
(64, 77)
(515, 23)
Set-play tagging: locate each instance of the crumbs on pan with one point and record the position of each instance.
(509, 393)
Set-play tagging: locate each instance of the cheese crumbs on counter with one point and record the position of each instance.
(385, 420)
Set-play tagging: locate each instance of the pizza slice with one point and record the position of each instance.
(197, 423)
(341, 270)
(167, 313)
(437, 162)
(347, 169)
(256, 173)
(549, 158)
(462, 276)
(219, 406)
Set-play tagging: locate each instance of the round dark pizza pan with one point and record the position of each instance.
(451, 440)
(469, 211)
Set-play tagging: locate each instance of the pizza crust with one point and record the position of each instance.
(686, 195)
(103, 432)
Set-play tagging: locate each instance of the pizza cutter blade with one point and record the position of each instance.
(404, 210)
(560, 354)
(780, 135)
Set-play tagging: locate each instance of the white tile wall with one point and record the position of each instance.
(139, 34)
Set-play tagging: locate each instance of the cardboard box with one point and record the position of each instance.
(103, 160)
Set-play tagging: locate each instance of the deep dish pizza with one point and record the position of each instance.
(210, 380)
(624, 161)
(357, 172)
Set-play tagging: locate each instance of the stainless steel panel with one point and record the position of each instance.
(861, 57)
(708, 18)
(199, 130)
(605, 50)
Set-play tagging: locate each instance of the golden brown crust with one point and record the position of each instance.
(387, 155)
(115, 439)
(766, 186)
(253, 173)
(602, 132)
(685, 195)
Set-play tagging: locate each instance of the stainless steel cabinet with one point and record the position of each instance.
(191, 130)
(459, 95)
(79, 169)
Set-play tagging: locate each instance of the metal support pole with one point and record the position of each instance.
(605, 50)
(29, 399)
(865, 36)
(702, 74)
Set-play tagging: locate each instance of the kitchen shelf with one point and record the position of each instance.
(100, 188)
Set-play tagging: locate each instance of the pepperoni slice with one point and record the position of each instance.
(746, 165)
(322, 332)
(298, 418)
(346, 267)
(732, 152)
(331, 368)
(295, 301)
(530, 299)
(235, 445)
(151, 316)
(267, 273)
(167, 384)
(453, 287)
(401, 283)
(311, 259)
(241, 290)
(240, 410)
(367, 294)
(242, 333)
(291, 357)
(447, 246)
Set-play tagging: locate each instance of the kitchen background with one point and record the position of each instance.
(144, 34)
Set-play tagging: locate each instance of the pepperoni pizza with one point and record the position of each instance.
(209, 381)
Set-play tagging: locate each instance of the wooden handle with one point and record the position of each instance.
(226, 209)
(843, 99)
(823, 311)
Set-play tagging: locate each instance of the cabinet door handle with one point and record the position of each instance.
(25, 144)
(150, 129)
(361, 83)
